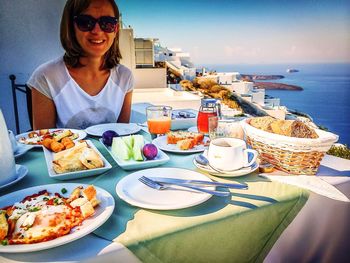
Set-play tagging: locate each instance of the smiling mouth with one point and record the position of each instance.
(96, 42)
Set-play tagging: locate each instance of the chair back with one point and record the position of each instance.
(23, 88)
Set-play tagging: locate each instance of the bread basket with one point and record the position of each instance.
(289, 154)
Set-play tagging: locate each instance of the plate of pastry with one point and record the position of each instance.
(81, 160)
(182, 142)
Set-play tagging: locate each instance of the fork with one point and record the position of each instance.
(160, 186)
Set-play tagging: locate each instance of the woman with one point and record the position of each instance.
(86, 86)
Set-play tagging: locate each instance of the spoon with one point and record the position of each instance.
(201, 159)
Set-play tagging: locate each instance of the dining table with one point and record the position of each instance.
(246, 226)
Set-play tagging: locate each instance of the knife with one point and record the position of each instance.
(165, 180)
(312, 183)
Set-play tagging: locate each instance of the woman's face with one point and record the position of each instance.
(96, 42)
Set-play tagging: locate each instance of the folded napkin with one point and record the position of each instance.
(312, 183)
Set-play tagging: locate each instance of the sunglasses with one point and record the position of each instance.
(87, 23)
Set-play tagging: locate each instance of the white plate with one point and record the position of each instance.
(132, 191)
(160, 159)
(81, 135)
(236, 173)
(21, 171)
(77, 174)
(22, 149)
(102, 213)
(120, 128)
(161, 143)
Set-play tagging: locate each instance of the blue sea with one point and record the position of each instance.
(326, 94)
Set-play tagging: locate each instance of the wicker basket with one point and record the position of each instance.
(289, 154)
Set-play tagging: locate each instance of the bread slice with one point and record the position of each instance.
(174, 136)
(186, 144)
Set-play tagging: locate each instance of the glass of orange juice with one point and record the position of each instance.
(158, 119)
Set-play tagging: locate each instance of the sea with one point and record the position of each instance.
(325, 95)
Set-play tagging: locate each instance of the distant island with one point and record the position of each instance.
(269, 85)
(276, 86)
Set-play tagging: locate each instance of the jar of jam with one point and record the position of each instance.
(207, 109)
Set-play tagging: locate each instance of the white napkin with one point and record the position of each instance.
(312, 183)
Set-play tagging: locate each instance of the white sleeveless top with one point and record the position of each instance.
(75, 108)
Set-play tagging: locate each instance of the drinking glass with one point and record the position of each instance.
(7, 160)
(158, 120)
(220, 128)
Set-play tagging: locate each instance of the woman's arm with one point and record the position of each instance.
(125, 112)
(44, 111)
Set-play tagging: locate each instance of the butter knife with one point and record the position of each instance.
(176, 181)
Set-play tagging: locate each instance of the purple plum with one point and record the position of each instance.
(150, 151)
(107, 137)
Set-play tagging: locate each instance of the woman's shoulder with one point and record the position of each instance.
(122, 71)
(122, 76)
(50, 67)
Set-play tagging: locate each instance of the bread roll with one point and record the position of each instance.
(291, 128)
(301, 130)
(262, 123)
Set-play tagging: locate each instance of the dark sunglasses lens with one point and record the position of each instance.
(85, 23)
(108, 24)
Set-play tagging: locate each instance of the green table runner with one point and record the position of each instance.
(239, 228)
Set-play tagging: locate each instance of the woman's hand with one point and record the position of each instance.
(44, 111)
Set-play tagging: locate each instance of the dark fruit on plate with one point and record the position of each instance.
(150, 151)
(107, 137)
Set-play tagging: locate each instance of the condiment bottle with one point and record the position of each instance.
(207, 109)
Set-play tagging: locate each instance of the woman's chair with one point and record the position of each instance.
(26, 90)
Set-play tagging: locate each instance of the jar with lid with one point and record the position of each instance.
(207, 109)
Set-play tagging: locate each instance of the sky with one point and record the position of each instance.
(246, 31)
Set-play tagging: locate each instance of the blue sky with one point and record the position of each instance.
(230, 31)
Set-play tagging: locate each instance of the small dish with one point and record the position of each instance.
(160, 159)
(161, 142)
(236, 173)
(120, 128)
(77, 174)
(21, 172)
(22, 149)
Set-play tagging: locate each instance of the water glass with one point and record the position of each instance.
(7, 160)
(224, 128)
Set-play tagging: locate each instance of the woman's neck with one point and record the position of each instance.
(92, 65)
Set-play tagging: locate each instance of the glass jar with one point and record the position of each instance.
(207, 109)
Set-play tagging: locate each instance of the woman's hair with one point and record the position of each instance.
(69, 41)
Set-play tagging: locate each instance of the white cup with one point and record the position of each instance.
(7, 160)
(230, 154)
(13, 141)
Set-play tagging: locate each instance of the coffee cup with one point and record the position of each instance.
(7, 161)
(230, 154)
(14, 144)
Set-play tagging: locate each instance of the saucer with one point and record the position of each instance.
(22, 149)
(21, 171)
(235, 173)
